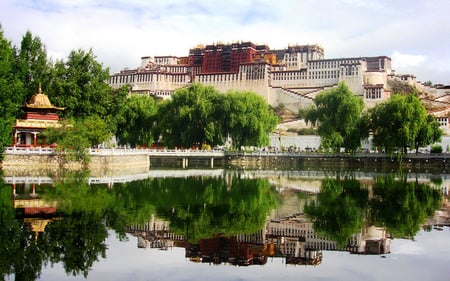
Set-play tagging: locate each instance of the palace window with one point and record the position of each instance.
(373, 93)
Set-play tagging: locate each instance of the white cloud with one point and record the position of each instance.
(400, 60)
(122, 31)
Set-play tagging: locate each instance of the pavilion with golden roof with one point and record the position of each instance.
(40, 114)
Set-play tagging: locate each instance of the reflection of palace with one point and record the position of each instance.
(292, 238)
(155, 234)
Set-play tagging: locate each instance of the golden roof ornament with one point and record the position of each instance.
(41, 100)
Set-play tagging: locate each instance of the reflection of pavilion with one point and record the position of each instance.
(39, 115)
(35, 211)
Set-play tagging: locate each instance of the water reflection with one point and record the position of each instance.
(230, 218)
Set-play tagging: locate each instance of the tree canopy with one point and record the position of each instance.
(33, 66)
(11, 91)
(338, 116)
(199, 115)
(402, 123)
(78, 84)
(248, 119)
(135, 121)
(189, 117)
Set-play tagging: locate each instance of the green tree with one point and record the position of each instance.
(71, 138)
(189, 118)
(11, 92)
(135, 121)
(248, 119)
(97, 131)
(118, 98)
(402, 123)
(33, 66)
(80, 85)
(429, 133)
(338, 114)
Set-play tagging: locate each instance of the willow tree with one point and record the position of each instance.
(190, 118)
(248, 119)
(402, 123)
(135, 121)
(338, 115)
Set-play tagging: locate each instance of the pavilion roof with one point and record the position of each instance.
(41, 100)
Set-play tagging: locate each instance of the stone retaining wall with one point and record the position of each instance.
(54, 162)
(105, 164)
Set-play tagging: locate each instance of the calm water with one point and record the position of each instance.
(225, 225)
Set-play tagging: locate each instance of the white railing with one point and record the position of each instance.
(116, 151)
(120, 151)
(30, 150)
(156, 152)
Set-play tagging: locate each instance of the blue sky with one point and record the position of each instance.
(415, 34)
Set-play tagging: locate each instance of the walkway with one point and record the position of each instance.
(121, 152)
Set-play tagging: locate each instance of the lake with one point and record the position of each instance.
(223, 224)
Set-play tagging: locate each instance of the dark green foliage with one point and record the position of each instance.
(402, 123)
(33, 67)
(75, 136)
(340, 209)
(190, 118)
(80, 86)
(402, 206)
(12, 93)
(339, 119)
(248, 119)
(436, 149)
(306, 131)
(135, 121)
(199, 115)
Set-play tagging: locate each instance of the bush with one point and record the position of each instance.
(436, 149)
(307, 131)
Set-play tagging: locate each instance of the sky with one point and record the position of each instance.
(415, 34)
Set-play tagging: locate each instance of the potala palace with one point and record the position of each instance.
(291, 77)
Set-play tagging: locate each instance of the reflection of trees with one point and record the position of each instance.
(202, 207)
(339, 209)
(76, 241)
(198, 207)
(19, 255)
(402, 206)
(343, 207)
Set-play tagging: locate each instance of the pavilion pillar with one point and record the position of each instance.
(33, 192)
(15, 138)
(35, 138)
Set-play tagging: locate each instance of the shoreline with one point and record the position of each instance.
(240, 160)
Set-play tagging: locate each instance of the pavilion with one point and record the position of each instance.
(40, 114)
